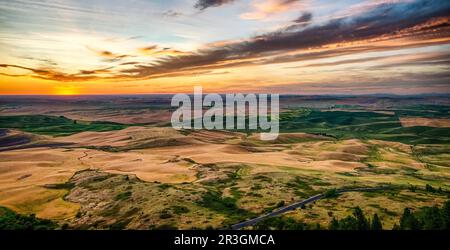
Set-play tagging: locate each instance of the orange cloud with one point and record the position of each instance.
(155, 50)
(107, 55)
(266, 8)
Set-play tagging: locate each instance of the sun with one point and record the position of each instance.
(66, 90)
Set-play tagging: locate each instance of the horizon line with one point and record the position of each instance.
(224, 93)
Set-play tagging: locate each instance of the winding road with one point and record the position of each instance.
(296, 205)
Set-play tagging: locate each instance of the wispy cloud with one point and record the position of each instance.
(155, 50)
(50, 74)
(107, 55)
(172, 13)
(304, 19)
(265, 8)
(204, 4)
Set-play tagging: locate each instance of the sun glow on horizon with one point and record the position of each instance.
(66, 90)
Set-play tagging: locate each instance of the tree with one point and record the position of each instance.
(349, 223)
(362, 223)
(356, 221)
(331, 193)
(431, 219)
(9, 220)
(408, 221)
(334, 224)
(376, 223)
(430, 188)
(446, 214)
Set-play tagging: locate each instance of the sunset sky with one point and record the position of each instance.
(276, 46)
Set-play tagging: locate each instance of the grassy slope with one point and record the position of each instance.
(361, 125)
(54, 125)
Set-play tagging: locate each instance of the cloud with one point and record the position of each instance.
(49, 74)
(95, 71)
(155, 50)
(301, 22)
(204, 4)
(433, 59)
(304, 19)
(48, 62)
(265, 8)
(392, 21)
(400, 60)
(390, 26)
(129, 63)
(107, 55)
(172, 13)
(365, 6)
(400, 84)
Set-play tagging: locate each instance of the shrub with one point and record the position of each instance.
(123, 196)
(165, 215)
(180, 209)
(331, 193)
(10, 220)
(281, 204)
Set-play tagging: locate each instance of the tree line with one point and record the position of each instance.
(425, 218)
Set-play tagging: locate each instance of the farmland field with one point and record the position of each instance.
(93, 173)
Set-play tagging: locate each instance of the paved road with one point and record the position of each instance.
(296, 205)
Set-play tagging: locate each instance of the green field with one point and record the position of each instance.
(55, 125)
(360, 125)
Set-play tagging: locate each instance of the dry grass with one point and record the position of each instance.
(422, 121)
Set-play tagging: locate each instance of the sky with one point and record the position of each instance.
(226, 46)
